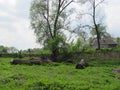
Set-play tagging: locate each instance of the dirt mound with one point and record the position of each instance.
(117, 70)
(43, 60)
(32, 61)
(26, 62)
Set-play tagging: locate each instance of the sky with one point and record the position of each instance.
(113, 17)
(15, 23)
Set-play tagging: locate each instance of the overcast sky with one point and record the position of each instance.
(113, 17)
(15, 24)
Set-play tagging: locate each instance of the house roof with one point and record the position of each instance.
(105, 41)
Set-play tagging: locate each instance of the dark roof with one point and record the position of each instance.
(105, 41)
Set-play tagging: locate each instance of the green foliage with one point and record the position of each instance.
(20, 54)
(55, 44)
(59, 76)
(90, 50)
(73, 47)
(76, 47)
(118, 41)
(101, 29)
(48, 19)
(102, 33)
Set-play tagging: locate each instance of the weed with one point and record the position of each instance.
(59, 76)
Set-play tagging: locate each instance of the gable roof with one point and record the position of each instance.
(104, 42)
(107, 41)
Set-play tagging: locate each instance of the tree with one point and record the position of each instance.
(12, 50)
(118, 41)
(3, 50)
(82, 37)
(94, 6)
(48, 19)
(102, 32)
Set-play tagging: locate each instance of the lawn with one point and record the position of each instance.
(59, 76)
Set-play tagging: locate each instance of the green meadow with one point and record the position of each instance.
(60, 76)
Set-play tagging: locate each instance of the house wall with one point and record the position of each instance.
(112, 45)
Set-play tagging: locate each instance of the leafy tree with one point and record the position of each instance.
(118, 41)
(29, 52)
(1, 49)
(20, 54)
(5, 50)
(83, 38)
(78, 46)
(74, 46)
(49, 20)
(102, 32)
(12, 50)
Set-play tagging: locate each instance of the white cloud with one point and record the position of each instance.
(8, 5)
(19, 36)
(112, 15)
(15, 26)
(11, 3)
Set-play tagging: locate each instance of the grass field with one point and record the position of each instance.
(59, 76)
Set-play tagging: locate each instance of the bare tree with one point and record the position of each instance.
(95, 4)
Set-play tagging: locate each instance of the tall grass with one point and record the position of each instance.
(59, 76)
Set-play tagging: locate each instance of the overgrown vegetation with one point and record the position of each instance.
(51, 22)
(59, 76)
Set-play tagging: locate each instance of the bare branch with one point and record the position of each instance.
(48, 9)
(48, 25)
(87, 26)
(66, 5)
(62, 2)
(87, 14)
(56, 18)
(99, 3)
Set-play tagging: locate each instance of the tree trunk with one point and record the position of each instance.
(95, 25)
(98, 37)
(54, 54)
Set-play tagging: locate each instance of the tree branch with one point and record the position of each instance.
(66, 6)
(87, 14)
(62, 2)
(48, 9)
(56, 18)
(99, 3)
(87, 26)
(48, 24)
